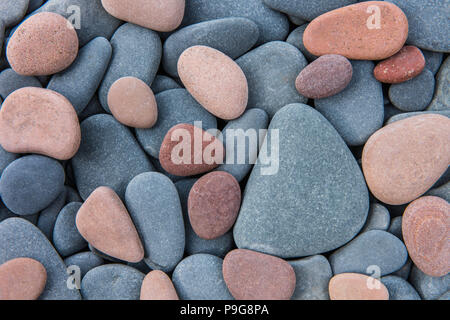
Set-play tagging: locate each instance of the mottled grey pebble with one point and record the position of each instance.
(66, 238)
(378, 219)
(5, 213)
(429, 288)
(404, 271)
(296, 39)
(72, 195)
(94, 107)
(85, 261)
(441, 192)
(406, 115)
(399, 289)
(441, 100)
(47, 218)
(11, 81)
(12, 11)
(6, 158)
(396, 227)
(163, 83)
(433, 60)
(296, 20)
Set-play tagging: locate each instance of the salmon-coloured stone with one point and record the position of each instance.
(404, 159)
(158, 15)
(370, 30)
(325, 77)
(354, 286)
(158, 286)
(105, 223)
(22, 279)
(133, 103)
(44, 44)
(187, 150)
(36, 120)
(406, 64)
(251, 275)
(214, 80)
(213, 204)
(426, 232)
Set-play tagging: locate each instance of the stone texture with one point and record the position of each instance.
(429, 288)
(158, 286)
(85, 261)
(433, 60)
(354, 286)
(66, 238)
(48, 216)
(296, 39)
(10, 81)
(399, 289)
(11, 12)
(6, 158)
(378, 218)
(163, 83)
(441, 100)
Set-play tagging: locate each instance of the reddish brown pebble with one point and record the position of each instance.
(325, 77)
(404, 159)
(213, 204)
(406, 64)
(159, 15)
(105, 223)
(22, 279)
(158, 286)
(35, 120)
(187, 150)
(371, 30)
(133, 103)
(426, 231)
(44, 44)
(215, 81)
(251, 275)
(354, 286)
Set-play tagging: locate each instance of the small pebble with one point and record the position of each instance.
(429, 288)
(158, 286)
(85, 261)
(378, 218)
(441, 100)
(296, 39)
(433, 60)
(48, 216)
(66, 238)
(354, 286)
(399, 289)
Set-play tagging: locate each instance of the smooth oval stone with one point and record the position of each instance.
(48, 216)
(271, 70)
(406, 64)
(378, 218)
(105, 223)
(428, 23)
(136, 53)
(174, 107)
(182, 158)
(429, 288)
(251, 275)
(43, 44)
(316, 172)
(80, 81)
(372, 30)
(414, 94)
(66, 238)
(371, 248)
(132, 103)
(11, 12)
(20, 238)
(213, 204)
(35, 120)
(10, 81)
(441, 100)
(109, 156)
(399, 289)
(295, 38)
(272, 25)
(112, 282)
(29, 184)
(158, 286)
(224, 95)
(232, 36)
(354, 286)
(433, 60)
(163, 83)
(154, 206)
(85, 261)
(152, 14)
(425, 226)
(313, 275)
(325, 77)
(199, 277)
(421, 151)
(6, 158)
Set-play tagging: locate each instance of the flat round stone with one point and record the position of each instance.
(158, 286)
(354, 286)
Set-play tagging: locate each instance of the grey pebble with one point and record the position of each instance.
(378, 218)
(406, 115)
(396, 227)
(94, 107)
(72, 195)
(441, 192)
(163, 83)
(5, 213)
(66, 238)
(104, 256)
(433, 60)
(399, 289)
(34, 4)
(10, 81)
(48, 216)
(441, 100)
(12, 11)
(390, 111)
(296, 20)
(296, 39)
(2, 36)
(85, 261)
(429, 288)
(6, 158)
(404, 271)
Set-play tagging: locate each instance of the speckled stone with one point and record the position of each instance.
(20, 238)
(163, 83)
(404, 159)
(158, 286)
(66, 238)
(154, 207)
(112, 282)
(378, 218)
(22, 279)
(433, 60)
(48, 216)
(11, 12)
(85, 261)
(109, 156)
(358, 111)
(35, 120)
(313, 275)
(6, 158)
(271, 70)
(136, 53)
(10, 81)
(199, 277)
(296, 39)
(371, 248)
(354, 286)
(441, 100)
(233, 36)
(399, 289)
(298, 224)
(429, 288)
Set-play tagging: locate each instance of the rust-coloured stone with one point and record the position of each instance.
(187, 150)
(370, 30)
(426, 232)
(35, 120)
(406, 64)
(325, 77)
(22, 279)
(213, 204)
(105, 223)
(158, 286)
(354, 286)
(251, 275)
(403, 160)
(44, 44)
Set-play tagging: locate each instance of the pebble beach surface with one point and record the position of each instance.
(224, 149)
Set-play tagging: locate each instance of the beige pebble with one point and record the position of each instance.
(158, 286)
(354, 286)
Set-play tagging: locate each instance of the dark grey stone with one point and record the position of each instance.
(34, 4)
(159, 168)
(85, 261)
(396, 227)
(104, 256)
(72, 195)
(391, 111)
(404, 271)
(10, 81)
(296, 39)
(296, 20)
(66, 238)
(399, 289)
(94, 107)
(445, 296)
(378, 219)
(47, 217)
(433, 60)
(441, 100)
(163, 83)
(6, 158)
(12, 11)
(429, 288)
(5, 213)
(2, 36)
(441, 192)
